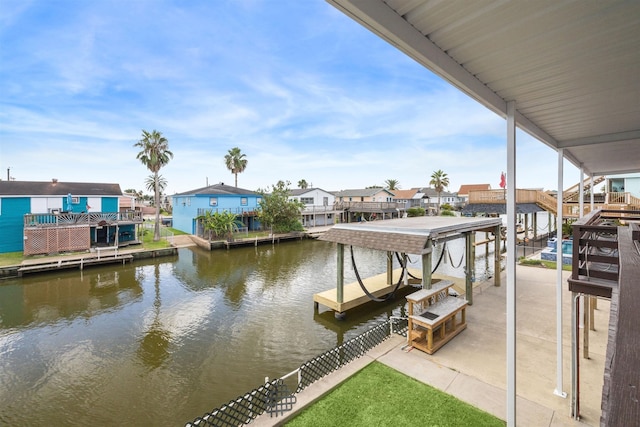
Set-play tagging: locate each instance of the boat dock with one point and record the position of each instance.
(67, 262)
(354, 296)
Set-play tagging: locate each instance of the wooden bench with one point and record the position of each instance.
(100, 249)
(435, 321)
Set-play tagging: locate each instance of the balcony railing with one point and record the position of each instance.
(596, 263)
(313, 209)
(238, 211)
(91, 218)
(366, 206)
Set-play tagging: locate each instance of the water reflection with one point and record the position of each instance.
(67, 296)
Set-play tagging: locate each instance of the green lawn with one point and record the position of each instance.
(544, 263)
(381, 396)
(10, 258)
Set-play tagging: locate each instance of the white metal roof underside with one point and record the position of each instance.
(572, 67)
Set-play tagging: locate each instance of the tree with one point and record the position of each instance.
(277, 211)
(392, 184)
(154, 154)
(440, 181)
(156, 181)
(303, 184)
(236, 162)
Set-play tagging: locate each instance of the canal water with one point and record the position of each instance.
(160, 342)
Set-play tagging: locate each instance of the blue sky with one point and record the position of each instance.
(304, 91)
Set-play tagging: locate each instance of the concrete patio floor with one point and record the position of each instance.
(472, 367)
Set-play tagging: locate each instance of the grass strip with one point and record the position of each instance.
(381, 396)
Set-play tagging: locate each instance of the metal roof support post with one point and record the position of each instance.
(559, 218)
(581, 192)
(592, 201)
(389, 267)
(511, 263)
(497, 243)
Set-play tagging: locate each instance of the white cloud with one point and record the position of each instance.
(303, 91)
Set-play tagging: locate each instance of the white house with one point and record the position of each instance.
(318, 206)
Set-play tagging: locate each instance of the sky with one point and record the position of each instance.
(304, 91)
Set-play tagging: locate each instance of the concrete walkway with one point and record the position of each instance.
(472, 367)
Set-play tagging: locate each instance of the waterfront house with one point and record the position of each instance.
(465, 189)
(366, 204)
(52, 216)
(431, 199)
(190, 205)
(409, 198)
(318, 206)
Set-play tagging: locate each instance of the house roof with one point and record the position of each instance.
(432, 193)
(570, 68)
(466, 188)
(362, 192)
(218, 190)
(301, 191)
(57, 188)
(501, 208)
(405, 194)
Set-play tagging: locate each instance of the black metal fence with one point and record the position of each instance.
(275, 397)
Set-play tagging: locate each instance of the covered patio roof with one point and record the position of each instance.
(571, 67)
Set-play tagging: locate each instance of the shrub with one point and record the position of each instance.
(415, 211)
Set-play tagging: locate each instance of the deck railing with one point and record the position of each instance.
(596, 264)
(366, 206)
(238, 211)
(314, 209)
(91, 218)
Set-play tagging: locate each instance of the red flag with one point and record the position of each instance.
(503, 180)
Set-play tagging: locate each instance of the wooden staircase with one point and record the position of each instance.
(571, 193)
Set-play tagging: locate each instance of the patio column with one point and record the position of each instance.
(511, 263)
(558, 390)
(581, 192)
(497, 243)
(592, 191)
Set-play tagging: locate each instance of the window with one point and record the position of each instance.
(213, 201)
(75, 200)
(307, 200)
(244, 201)
(325, 201)
(259, 200)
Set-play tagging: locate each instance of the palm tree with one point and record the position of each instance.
(236, 162)
(303, 184)
(154, 155)
(392, 184)
(440, 181)
(152, 180)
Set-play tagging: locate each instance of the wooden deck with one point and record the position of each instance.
(48, 265)
(377, 285)
(620, 394)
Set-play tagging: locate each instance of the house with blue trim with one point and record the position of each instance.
(52, 217)
(190, 205)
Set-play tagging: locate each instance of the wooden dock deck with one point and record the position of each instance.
(48, 264)
(354, 296)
